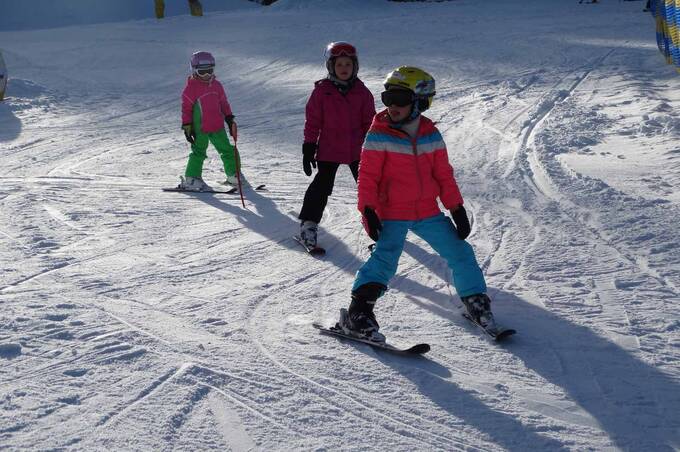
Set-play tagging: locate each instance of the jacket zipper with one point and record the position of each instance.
(414, 147)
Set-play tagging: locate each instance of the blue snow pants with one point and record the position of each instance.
(440, 233)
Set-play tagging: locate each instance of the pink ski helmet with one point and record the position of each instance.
(202, 60)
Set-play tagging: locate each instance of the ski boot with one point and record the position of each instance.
(193, 184)
(233, 181)
(479, 309)
(308, 230)
(359, 320)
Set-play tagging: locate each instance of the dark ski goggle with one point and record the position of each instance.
(206, 71)
(336, 49)
(398, 97)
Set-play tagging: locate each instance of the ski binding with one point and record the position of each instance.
(314, 251)
(497, 335)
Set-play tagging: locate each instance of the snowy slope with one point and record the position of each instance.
(136, 319)
(34, 14)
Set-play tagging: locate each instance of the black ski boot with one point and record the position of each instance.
(479, 309)
(308, 231)
(360, 320)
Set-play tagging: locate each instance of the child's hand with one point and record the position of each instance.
(189, 133)
(233, 129)
(308, 157)
(373, 223)
(460, 218)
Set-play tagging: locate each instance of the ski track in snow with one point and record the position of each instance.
(136, 319)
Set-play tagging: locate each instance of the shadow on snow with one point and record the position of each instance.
(632, 401)
(278, 227)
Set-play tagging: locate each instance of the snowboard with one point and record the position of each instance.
(499, 334)
(416, 350)
(313, 250)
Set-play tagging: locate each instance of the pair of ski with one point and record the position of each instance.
(497, 335)
(228, 190)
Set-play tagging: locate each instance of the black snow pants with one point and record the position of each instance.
(321, 188)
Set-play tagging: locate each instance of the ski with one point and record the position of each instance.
(498, 334)
(182, 190)
(313, 250)
(234, 189)
(418, 349)
(227, 191)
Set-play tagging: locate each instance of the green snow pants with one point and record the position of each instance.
(198, 154)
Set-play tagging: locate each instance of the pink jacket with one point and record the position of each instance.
(401, 177)
(211, 100)
(338, 123)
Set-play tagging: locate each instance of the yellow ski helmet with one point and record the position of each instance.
(416, 80)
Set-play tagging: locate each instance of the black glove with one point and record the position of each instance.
(308, 160)
(461, 220)
(232, 126)
(189, 133)
(373, 223)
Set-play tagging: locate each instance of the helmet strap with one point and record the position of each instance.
(415, 110)
(342, 85)
(414, 114)
(420, 104)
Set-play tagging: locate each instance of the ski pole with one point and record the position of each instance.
(238, 174)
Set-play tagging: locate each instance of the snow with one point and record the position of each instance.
(137, 319)
(59, 13)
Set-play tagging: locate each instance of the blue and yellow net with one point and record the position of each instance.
(667, 15)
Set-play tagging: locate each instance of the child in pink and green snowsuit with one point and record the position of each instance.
(205, 109)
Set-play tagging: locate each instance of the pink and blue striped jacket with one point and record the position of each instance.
(402, 177)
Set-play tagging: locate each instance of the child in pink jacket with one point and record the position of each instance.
(338, 115)
(205, 109)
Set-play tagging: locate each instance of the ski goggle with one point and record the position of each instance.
(398, 97)
(205, 71)
(336, 49)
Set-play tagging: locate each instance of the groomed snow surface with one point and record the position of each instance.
(132, 319)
